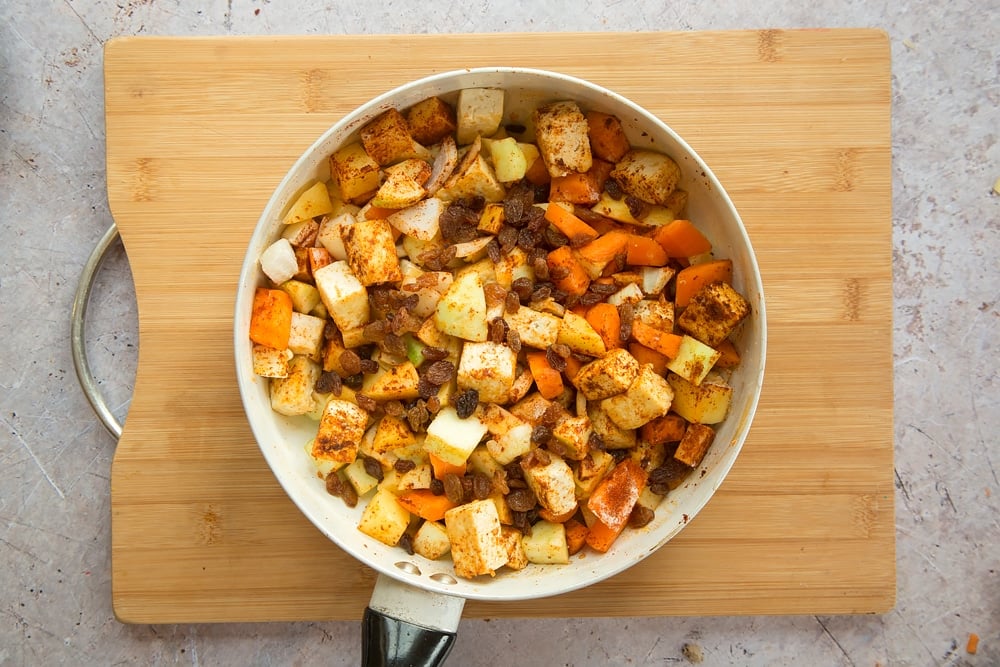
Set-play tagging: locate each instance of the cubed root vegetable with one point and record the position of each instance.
(680, 238)
(271, 319)
(644, 251)
(613, 499)
(547, 379)
(600, 536)
(647, 355)
(694, 277)
(574, 279)
(607, 322)
(574, 228)
(442, 467)
(667, 344)
(425, 504)
(576, 535)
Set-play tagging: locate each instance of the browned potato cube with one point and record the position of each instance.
(371, 252)
(694, 444)
(357, 174)
(387, 139)
(431, 120)
(648, 175)
(563, 138)
(713, 313)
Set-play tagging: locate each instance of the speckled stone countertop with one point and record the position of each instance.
(54, 477)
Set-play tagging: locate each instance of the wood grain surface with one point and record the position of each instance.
(794, 123)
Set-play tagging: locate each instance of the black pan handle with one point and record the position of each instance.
(407, 626)
(390, 642)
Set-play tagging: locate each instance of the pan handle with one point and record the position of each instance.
(405, 626)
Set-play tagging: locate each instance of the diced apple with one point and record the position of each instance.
(511, 444)
(431, 540)
(546, 544)
(647, 398)
(577, 334)
(314, 201)
(359, 477)
(573, 434)
(341, 428)
(551, 480)
(305, 297)
(590, 471)
(384, 518)
(451, 438)
(508, 160)
(694, 360)
(696, 441)
(396, 383)
(387, 139)
(605, 377)
(648, 175)
(461, 311)
(613, 435)
(536, 329)
(707, 403)
(489, 368)
(330, 236)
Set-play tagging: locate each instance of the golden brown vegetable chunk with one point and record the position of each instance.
(694, 444)
(431, 120)
(713, 313)
(562, 134)
(648, 175)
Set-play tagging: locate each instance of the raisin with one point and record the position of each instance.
(514, 471)
(425, 388)
(335, 486)
(557, 273)
(640, 516)
(521, 500)
(433, 405)
(375, 331)
(604, 289)
(511, 302)
(394, 345)
(515, 128)
(453, 488)
(432, 353)
(541, 293)
(551, 416)
(527, 239)
(482, 486)
(520, 521)
(372, 467)
(354, 381)
(541, 268)
(329, 383)
(500, 481)
(403, 466)
(418, 416)
(498, 330)
(507, 238)
(636, 207)
(406, 541)
(330, 331)
(514, 340)
(541, 434)
(369, 366)
(466, 402)
(437, 486)
(440, 372)
(626, 313)
(555, 361)
(495, 293)
(523, 288)
(350, 362)
(366, 403)
(595, 441)
(493, 251)
(394, 409)
(554, 238)
(536, 457)
(614, 189)
(591, 298)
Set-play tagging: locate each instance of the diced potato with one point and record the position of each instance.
(656, 314)
(344, 296)
(306, 336)
(574, 434)
(713, 313)
(340, 430)
(329, 235)
(492, 218)
(431, 120)
(590, 471)
(510, 445)
(647, 398)
(305, 297)
(398, 190)
(387, 139)
(517, 559)
(497, 419)
(473, 177)
(694, 360)
(546, 544)
(371, 252)
(293, 394)
(630, 293)
(313, 202)
(536, 329)
(551, 480)
(431, 540)
(301, 233)
(417, 478)
(356, 173)
(396, 383)
(696, 441)
(508, 160)
(563, 139)
(474, 532)
(419, 220)
(488, 368)
(479, 113)
(613, 435)
(577, 334)
(512, 266)
(269, 362)
(384, 518)
(452, 439)
(707, 403)
(648, 175)
(605, 377)
(359, 477)
(392, 433)
(461, 311)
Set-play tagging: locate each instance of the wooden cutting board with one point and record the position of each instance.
(796, 126)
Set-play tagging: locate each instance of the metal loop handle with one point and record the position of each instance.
(79, 346)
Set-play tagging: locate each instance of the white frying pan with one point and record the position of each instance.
(416, 605)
